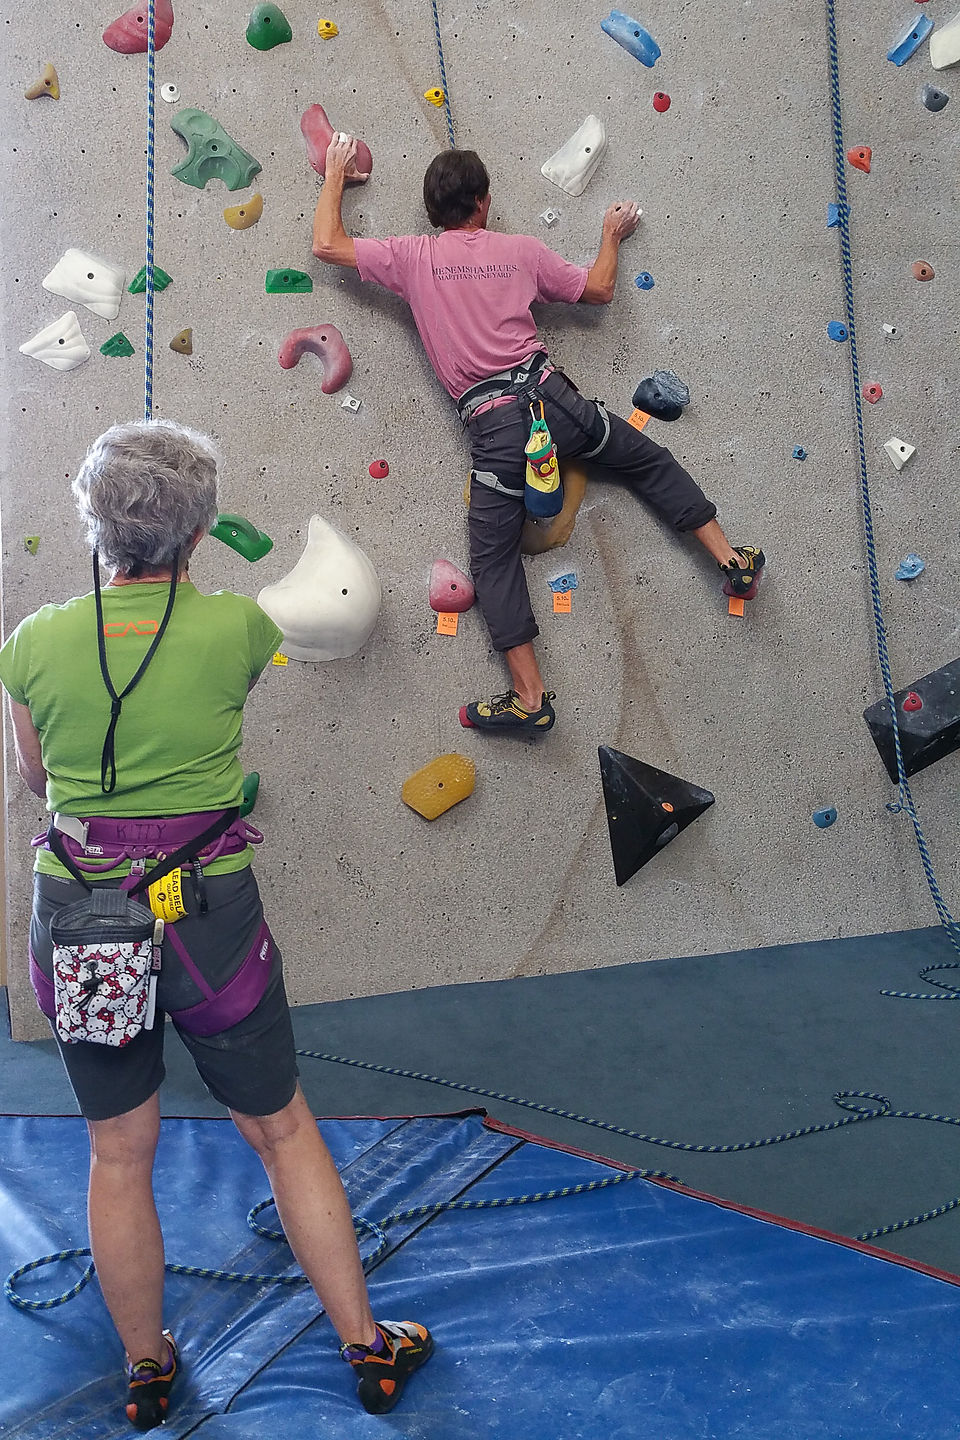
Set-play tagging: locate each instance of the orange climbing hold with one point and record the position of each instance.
(860, 157)
(128, 34)
(437, 787)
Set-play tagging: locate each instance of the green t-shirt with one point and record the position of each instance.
(180, 728)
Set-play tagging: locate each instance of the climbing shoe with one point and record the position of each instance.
(382, 1369)
(505, 712)
(744, 580)
(149, 1382)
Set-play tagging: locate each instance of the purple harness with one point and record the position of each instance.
(112, 841)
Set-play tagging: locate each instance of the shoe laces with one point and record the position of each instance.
(500, 703)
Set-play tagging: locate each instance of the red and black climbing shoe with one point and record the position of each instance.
(743, 580)
(402, 1346)
(505, 712)
(149, 1383)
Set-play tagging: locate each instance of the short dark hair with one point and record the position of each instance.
(455, 183)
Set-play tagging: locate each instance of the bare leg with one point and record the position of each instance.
(717, 544)
(525, 674)
(124, 1229)
(314, 1212)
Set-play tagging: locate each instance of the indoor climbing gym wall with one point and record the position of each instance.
(718, 120)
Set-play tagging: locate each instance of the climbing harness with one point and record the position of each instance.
(443, 74)
(905, 801)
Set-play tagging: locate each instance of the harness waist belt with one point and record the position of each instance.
(114, 838)
(503, 383)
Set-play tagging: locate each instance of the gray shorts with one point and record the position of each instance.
(251, 1067)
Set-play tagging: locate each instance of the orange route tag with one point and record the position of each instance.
(638, 419)
(279, 658)
(447, 621)
(735, 605)
(563, 602)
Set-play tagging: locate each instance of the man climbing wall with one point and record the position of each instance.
(470, 291)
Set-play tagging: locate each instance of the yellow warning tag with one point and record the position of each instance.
(166, 897)
(279, 658)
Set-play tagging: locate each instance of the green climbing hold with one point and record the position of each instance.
(251, 788)
(31, 544)
(212, 155)
(268, 27)
(139, 282)
(117, 346)
(288, 282)
(243, 536)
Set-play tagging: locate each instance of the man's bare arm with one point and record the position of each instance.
(620, 221)
(27, 745)
(331, 243)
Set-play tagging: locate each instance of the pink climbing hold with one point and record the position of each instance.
(872, 392)
(450, 589)
(330, 348)
(379, 469)
(128, 34)
(318, 132)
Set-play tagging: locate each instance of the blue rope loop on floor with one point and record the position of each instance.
(151, 207)
(906, 802)
(443, 74)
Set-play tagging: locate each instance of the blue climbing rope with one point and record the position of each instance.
(443, 74)
(151, 206)
(905, 801)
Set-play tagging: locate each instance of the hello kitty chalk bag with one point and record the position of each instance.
(106, 960)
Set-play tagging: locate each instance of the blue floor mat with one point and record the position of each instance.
(632, 1311)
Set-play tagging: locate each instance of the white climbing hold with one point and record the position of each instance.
(81, 277)
(890, 331)
(945, 44)
(350, 402)
(899, 452)
(328, 605)
(573, 166)
(60, 345)
(549, 217)
(170, 92)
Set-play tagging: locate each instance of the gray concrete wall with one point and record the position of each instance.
(734, 181)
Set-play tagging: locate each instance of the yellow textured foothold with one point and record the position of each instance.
(435, 96)
(183, 343)
(241, 217)
(48, 84)
(326, 29)
(440, 785)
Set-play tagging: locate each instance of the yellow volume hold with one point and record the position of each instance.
(437, 787)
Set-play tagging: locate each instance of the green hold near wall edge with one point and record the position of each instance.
(243, 536)
(251, 788)
(117, 346)
(289, 282)
(268, 26)
(138, 284)
(31, 544)
(212, 154)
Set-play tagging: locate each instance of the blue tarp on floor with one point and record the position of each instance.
(629, 1312)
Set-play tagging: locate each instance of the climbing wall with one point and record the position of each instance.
(764, 711)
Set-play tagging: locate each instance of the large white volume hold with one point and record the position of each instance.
(945, 44)
(60, 345)
(88, 281)
(899, 451)
(573, 166)
(328, 605)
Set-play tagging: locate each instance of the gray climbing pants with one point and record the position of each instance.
(583, 430)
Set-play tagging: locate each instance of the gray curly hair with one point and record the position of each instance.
(144, 489)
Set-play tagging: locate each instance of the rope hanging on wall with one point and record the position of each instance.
(443, 74)
(151, 205)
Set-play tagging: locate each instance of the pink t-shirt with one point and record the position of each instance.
(470, 292)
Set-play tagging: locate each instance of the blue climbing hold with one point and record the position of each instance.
(629, 33)
(824, 818)
(905, 46)
(561, 583)
(836, 331)
(833, 216)
(910, 567)
(644, 280)
(799, 453)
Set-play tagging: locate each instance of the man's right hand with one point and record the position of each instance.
(341, 159)
(621, 219)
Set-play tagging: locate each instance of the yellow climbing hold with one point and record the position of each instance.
(326, 29)
(440, 785)
(241, 217)
(48, 84)
(183, 343)
(435, 96)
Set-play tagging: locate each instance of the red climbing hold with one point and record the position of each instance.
(450, 589)
(661, 101)
(379, 469)
(860, 157)
(318, 132)
(128, 34)
(912, 701)
(872, 392)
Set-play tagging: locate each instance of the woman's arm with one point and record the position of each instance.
(27, 744)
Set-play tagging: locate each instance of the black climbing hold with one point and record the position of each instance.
(928, 731)
(646, 809)
(933, 98)
(662, 395)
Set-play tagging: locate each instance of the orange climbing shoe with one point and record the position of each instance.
(383, 1369)
(149, 1387)
(744, 580)
(505, 712)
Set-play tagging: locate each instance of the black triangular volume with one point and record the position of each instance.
(928, 719)
(646, 809)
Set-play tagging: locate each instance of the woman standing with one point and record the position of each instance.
(127, 709)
